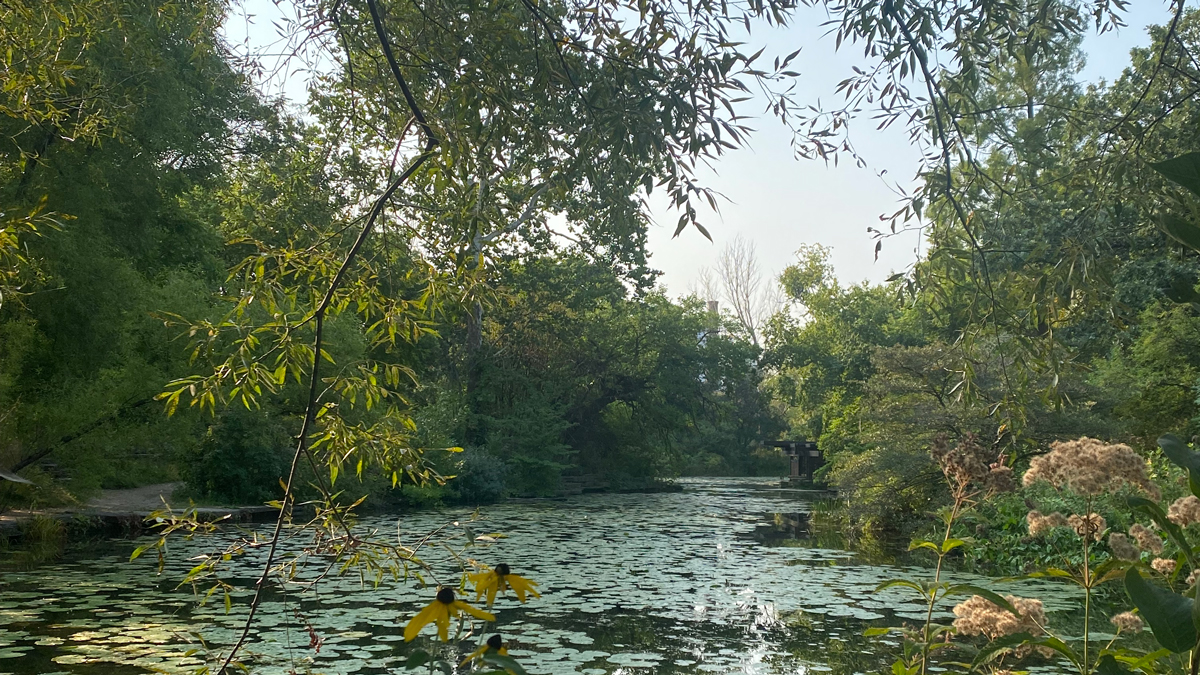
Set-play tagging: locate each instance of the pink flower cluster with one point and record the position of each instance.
(1164, 566)
(970, 462)
(1147, 540)
(1089, 526)
(1184, 511)
(980, 616)
(1127, 622)
(1122, 548)
(1090, 467)
(1040, 524)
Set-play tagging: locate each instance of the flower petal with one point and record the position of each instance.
(422, 619)
(477, 613)
(475, 654)
(443, 620)
(521, 586)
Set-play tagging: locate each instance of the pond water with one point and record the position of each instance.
(718, 578)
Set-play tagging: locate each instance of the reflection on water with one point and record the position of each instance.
(783, 528)
(665, 583)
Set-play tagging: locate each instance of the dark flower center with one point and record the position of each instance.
(502, 569)
(446, 596)
(495, 642)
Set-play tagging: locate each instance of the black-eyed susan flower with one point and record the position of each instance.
(490, 581)
(494, 645)
(438, 612)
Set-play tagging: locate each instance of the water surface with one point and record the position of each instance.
(689, 582)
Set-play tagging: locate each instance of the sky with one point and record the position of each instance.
(770, 198)
(779, 202)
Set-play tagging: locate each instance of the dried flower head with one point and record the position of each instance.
(980, 616)
(1195, 574)
(1184, 511)
(1089, 526)
(1164, 566)
(999, 479)
(1122, 548)
(1127, 622)
(1039, 524)
(1147, 540)
(1090, 467)
(971, 462)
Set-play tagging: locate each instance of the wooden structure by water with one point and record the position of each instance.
(806, 458)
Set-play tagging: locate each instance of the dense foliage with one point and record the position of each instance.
(168, 230)
(433, 283)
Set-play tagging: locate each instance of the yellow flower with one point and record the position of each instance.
(439, 612)
(490, 581)
(494, 644)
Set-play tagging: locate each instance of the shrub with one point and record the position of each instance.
(480, 479)
(242, 458)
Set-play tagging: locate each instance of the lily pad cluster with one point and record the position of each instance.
(659, 583)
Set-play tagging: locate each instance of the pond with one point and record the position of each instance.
(688, 582)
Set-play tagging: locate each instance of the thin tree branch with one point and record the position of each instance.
(302, 445)
(526, 214)
(96, 424)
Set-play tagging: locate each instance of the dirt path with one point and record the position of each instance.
(136, 500)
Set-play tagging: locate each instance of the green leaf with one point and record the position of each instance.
(137, 552)
(999, 646)
(1107, 665)
(924, 544)
(1195, 610)
(1058, 646)
(1159, 517)
(1183, 170)
(417, 659)
(1178, 452)
(506, 662)
(1181, 231)
(991, 596)
(1110, 569)
(951, 544)
(1169, 614)
(906, 583)
(1004, 644)
(1182, 456)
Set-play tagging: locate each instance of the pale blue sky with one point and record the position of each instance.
(780, 203)
(774, 200)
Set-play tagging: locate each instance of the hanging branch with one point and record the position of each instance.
(318, 319)
(934, 90)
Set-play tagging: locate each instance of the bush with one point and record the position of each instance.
(706, 464)
(244, 455)
(481, 478)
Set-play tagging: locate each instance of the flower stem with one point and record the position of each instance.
(959, 499)
(1087, 584)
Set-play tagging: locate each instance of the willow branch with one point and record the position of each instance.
(302, 444)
